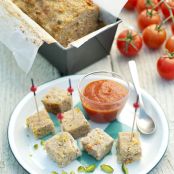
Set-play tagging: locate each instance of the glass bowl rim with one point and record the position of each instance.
(107, 72)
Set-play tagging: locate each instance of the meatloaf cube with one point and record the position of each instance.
(65, 20)
(75, 123)
(97, 143)
(40, 125)
(62, 148)
(57, 100)
(128, 149)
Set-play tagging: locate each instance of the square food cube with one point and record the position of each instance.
(75, 123)
(41, 125)
(97, 143)
(62, 148)
(128, 149)
(57, 100)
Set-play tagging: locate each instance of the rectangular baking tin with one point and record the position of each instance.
(70, 60)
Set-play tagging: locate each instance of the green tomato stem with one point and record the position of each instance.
(158, 4)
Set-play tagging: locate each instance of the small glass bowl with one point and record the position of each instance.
(102, 112)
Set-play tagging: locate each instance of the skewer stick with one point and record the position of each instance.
(111, 62)
(136, 106)
(33, 89)
(60, 117)
(70, 90)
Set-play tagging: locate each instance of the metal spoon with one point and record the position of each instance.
(145, 123)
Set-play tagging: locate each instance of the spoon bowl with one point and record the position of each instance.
(144, 121)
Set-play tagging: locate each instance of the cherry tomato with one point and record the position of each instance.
(172, 27)
(165, 9)
(148, 17)
(165, 66)
(129, 43)
(146, 4)
(170, 44)
(131, 4)
(154, 36)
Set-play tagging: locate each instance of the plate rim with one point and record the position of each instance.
(77, 76)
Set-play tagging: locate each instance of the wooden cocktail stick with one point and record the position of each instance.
(34, 89)
(136, 106)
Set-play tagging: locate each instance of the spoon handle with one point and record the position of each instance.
(134, 74)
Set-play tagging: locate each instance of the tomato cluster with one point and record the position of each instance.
(154, 34)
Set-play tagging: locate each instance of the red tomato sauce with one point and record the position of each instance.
(103, 99)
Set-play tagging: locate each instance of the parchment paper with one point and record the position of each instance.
(24, 37)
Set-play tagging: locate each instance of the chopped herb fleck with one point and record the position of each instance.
(124, 169)
(81, 169)
(36, 146)
(106, 168)
(30, 155)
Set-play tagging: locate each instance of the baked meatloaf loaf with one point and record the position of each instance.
(65, 20)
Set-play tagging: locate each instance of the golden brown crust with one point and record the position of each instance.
(65, 20)
(75, 123)
(62, 148)
(40, 125)
(128, 149)
(57, 100)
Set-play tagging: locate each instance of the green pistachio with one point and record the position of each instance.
(63, 172)
(35, 146)
(90, 168)
(72, 172)
(42, 142)
(124, 169)
(106, 168)
(54, 172)
(81, 169)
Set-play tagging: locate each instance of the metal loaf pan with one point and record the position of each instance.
(70, 60)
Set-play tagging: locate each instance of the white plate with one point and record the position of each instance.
(154, 146)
